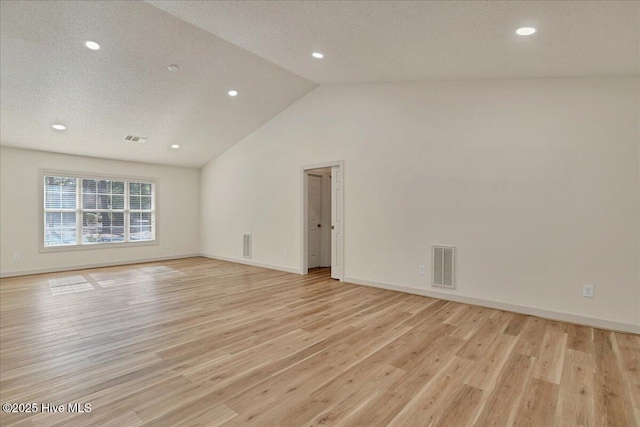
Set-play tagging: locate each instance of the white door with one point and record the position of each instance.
(336, 223)
(314, 221)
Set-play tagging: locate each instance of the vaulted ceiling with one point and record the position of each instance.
(263, 50)
(48, 76)
(385, 41)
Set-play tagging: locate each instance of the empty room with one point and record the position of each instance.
(312, 213)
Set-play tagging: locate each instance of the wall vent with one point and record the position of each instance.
(443, 263)
(246, 246)
(138, 139)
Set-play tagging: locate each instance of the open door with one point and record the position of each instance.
(315, 225)
(336, 223)
(309, 223)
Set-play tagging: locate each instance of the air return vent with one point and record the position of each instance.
(246, 246)
(443, 266)
(138, 139)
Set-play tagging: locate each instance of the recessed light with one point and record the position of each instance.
(173, 67)
(175, 146)
(59, 127)
(92, 45)
(525, 31)
(317, 55)
(233, 93)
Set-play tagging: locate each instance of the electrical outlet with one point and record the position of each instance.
(167, 245)
(16, 256)
(588, 291)
(423, 270)
(284, 253)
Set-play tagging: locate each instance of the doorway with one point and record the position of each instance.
(322, 222)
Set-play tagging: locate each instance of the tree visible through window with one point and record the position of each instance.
(88, 211)
(60, 211)
(140, 215)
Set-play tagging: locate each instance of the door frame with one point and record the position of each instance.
(304, 223)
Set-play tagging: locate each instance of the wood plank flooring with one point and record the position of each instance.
(199, 342)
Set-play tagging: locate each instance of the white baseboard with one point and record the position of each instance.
(95, 265)
(533, 311)
(253, 263)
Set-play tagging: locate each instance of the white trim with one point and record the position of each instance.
(94, 265)
(253, 263)
(532, 311)
(304, 200)
(323, 165)
(106, 245)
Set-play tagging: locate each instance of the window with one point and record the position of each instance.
(82, 211)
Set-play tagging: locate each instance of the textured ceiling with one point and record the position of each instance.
(48, 76)
(375, 41)
(263, 50)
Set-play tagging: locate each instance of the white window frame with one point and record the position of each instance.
(79, 210)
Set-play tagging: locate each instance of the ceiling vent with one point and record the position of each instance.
(138, 139)
(444, 261)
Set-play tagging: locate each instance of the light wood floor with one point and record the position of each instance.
(204, 342)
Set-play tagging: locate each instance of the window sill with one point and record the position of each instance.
(52, 249)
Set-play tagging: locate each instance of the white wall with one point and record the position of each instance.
(178, 211)
(535, 181)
